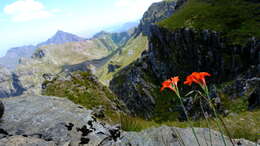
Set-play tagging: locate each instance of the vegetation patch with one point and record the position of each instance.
(82, 88)
(236, 19)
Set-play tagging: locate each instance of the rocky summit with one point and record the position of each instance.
(53, 121)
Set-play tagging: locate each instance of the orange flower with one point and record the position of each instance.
(171, 84)
(197, 77)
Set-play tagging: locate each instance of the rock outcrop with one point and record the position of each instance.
(10, 84)
(180, 53)
(156, 13)
(53, 121)
(50, 120)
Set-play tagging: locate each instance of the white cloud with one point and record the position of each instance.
(134, 8)
(25, 10)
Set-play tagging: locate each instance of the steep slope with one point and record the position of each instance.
(138, 42)
(12, 57)
(113, 40)
(127, 54)
(180, 51)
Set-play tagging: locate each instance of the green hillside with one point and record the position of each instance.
(236, 19)
(129, 53)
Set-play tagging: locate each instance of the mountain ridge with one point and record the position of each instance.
(13, 55)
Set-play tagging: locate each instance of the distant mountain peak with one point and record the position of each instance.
(100, 34)
(61, 37)
(60, 32)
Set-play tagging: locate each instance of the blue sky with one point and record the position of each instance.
(24, 22)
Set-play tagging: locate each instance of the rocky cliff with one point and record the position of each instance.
(181, 52)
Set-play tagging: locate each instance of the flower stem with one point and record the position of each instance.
(215, 114)
(208, 124)
(187, 117)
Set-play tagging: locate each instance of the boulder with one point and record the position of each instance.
(51, 119)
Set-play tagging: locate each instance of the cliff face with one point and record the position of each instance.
(181, 52)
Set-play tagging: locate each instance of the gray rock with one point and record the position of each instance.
(51, 119)
(170, 136)
(24, 141)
